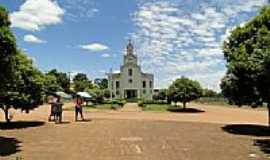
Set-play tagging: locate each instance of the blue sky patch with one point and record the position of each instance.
(172, 38)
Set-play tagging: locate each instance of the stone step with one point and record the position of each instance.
(131, 107)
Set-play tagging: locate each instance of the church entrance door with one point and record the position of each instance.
(131, 93)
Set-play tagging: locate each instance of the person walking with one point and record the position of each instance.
(78, 108)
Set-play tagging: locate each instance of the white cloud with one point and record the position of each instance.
(33, 39)
(35, 15)
(79, 10)
(106, 55)
(94, 47)
(181, 38)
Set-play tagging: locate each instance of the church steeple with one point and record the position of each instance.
(130, 48)
(130, 57)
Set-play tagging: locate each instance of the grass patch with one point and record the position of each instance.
(89, 106)
(168, 108)
(212, 101)
(104, 106)
(156, 107)
(100, 106)
(221, 102)
(92, 106)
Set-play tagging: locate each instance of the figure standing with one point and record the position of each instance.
(78, 108)
(58, 111)
(52, 102)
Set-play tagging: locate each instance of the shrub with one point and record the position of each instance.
(133, 100)
(161, 95)
(119, 102)
(141, 104)
(115, 104)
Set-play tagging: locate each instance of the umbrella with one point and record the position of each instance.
(63, 95)
(84, 95)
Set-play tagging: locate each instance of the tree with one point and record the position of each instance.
(247, 52)
(7, 58)
(209, 93)
(8, 51)
(184, 90)
(161, 95)
(102, 83)
(51, 84)
(98, 95)
(62, 79)
(81, 82)
(107, 93)
(27, 89)
(21, 84)
(80, 77)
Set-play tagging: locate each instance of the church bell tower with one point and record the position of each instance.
(130, 57)
(130, 48)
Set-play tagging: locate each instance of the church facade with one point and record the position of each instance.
(131, 82)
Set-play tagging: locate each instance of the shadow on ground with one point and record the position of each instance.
(247, 129)
(263, 144)
(59, 123)
(85, 120)
(20, 124)
(187, 110)
(9, 146)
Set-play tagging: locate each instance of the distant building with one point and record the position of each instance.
(131, 82)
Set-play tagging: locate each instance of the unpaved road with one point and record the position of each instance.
(120, 135)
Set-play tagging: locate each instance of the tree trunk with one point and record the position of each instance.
(6, 114)
(184, 105)
(268, 107)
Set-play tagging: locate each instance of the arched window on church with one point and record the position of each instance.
(144, 84)
(130, 72)
(117, 84)
(150, 84)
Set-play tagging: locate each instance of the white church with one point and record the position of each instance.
(131, 82)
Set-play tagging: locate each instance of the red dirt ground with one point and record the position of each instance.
(117, 135)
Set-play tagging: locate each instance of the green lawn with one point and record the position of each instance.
(96, 107)
(169, 108)
(224, 104)
(165, 107)
(103, 106)
(156, 107)
(212, 101)
(99, 106)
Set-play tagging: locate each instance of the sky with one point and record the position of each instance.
(172, 38)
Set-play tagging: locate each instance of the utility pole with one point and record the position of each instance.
(110, 83)
(69, 76)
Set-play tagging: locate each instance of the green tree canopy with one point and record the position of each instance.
(51, 84)
(82, 83)
(61, 78)
(102, 83)
(80, 77)
(247, 52)
(209, 93)
(21, 84)
(27, 88)
(160, 95)
(184, 90)
(8, 51)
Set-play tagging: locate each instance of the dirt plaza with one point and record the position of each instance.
(217, 133)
